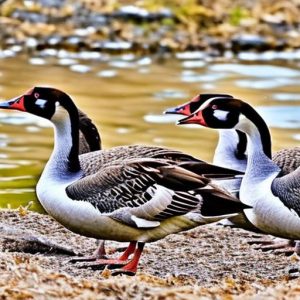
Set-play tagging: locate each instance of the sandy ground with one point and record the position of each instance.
(209, 262)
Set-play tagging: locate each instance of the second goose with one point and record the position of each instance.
(275, 199)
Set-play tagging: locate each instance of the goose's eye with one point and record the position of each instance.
(214, 106)
(36, 95)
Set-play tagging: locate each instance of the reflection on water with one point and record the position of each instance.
(264, 84)
(281, 116)
(125, 96)
(259, 71)
(286, 97)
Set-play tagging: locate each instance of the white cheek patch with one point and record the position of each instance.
(41, 103)
(221, 114)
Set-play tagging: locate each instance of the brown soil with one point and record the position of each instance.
(209, 262)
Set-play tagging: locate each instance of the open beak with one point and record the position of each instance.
(195, 118)
(179, 110)
(15, 103)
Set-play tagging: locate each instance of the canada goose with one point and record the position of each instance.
(275, 200)
(231, 151)
(136, 200)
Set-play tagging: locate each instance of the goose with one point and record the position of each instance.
(231, 152)
(90, 140)
(135, 200)
(275, 199)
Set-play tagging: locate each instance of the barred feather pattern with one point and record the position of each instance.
(287, 188)
(136, 185)
(288, 160)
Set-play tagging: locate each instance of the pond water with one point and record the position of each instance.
(125, 97)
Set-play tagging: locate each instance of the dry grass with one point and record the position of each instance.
(209, 262)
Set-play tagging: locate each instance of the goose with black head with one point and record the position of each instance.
(275, 198)
(231, 152)
(137, 200)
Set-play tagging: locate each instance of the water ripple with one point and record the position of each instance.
(22, 119)
(161, 119)
(286, 97)
(170, 93)
(281, 116)
(266, 83)
(263, 71)
(191, 76)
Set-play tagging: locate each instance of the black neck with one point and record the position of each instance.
(241, 145)
(73, 159)
(262, 127)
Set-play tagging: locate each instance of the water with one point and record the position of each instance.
(125, 97)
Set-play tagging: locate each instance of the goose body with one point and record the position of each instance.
(275, 199)
(78, 213)
(132, 199)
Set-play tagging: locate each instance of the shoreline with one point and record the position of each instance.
(150, 28)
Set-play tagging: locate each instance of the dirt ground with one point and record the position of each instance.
(209, 262)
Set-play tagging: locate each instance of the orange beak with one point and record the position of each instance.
(16, 103)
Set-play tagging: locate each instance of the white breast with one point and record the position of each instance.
(269, 214)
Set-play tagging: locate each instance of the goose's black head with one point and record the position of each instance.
(229, 113)
(190, 107)
(222, 113)
(41, 101)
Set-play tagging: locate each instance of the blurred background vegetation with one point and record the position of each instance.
(151, 26)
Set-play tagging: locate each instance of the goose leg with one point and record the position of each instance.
(113, 262)
(291, 248)
(131, 267)
(121, 260)
(280, 246)
(297, 248)
(294, 271)
(99, 253)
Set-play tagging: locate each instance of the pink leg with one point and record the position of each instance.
(100, 252)
(277, 245)
(131, 267)
(99, 260)
(121, 260)
(130, 249)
